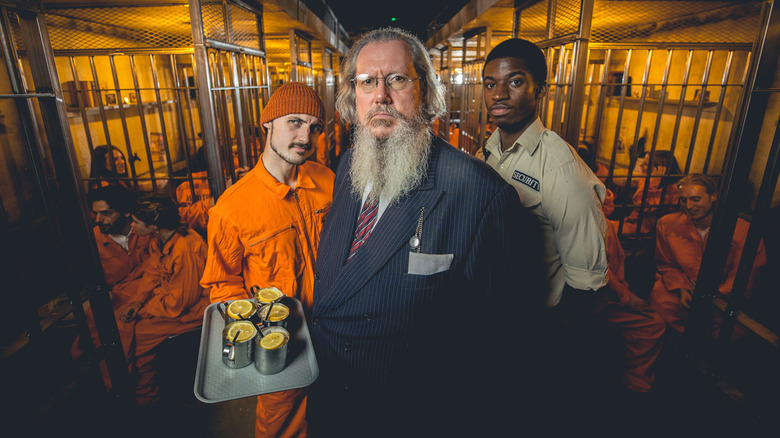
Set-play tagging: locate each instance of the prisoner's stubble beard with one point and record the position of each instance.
(396, 165)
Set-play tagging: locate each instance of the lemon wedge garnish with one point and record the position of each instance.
(240, 309)
(247, 331)
(273, 340)
(268, 294)
(278, 313)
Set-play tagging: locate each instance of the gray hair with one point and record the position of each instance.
(433, 91)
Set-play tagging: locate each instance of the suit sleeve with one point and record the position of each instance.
(224, 261)
(572, 203)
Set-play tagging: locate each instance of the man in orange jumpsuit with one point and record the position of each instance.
(122, 252)
(680, 241)
(169, 300)
(265, 230)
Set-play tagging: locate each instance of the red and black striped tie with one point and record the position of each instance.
(364, 225)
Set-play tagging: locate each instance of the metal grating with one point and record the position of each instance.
(239, 26)
(214, 21)
(101, 28)
(674, 21)
(244, 28)
(533, 22)
(567, 17)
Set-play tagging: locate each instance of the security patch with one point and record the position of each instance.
(522, 178)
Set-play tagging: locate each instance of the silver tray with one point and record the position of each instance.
(215, 382)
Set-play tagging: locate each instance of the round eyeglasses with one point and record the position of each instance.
(395, 82)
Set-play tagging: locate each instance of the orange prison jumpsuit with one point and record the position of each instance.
(123, 271)
(122, 267)
(261, 232)
(454, 133)
(650, 215)
(174, 302)
(195, 212)
(322, 153)
(678, 254)
(641, 332)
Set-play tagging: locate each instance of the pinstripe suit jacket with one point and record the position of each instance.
(381, 333)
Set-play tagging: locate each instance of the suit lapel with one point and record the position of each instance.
(397, 224)
(344, 229)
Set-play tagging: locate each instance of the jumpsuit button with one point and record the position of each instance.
(317, 275)
(367, 317)
(346, 386)
(346, 345)
(316, 321)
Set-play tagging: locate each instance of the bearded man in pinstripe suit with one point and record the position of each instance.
(423, 301)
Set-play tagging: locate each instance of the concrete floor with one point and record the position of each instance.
(689, 399)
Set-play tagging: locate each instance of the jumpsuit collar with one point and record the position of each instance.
(281, 190)
(167, 247)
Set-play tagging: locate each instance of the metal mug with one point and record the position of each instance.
(271, 361)
(261, 301)
(263, 311)
(223, 306)
(240, 353)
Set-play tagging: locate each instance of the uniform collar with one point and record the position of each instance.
(529, 139)
(281, 190)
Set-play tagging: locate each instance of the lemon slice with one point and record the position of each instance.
(240, 309)
(278, 313)
(268, 294)
(247, 331)
(273, 340)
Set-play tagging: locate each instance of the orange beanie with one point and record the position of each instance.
(293, 98)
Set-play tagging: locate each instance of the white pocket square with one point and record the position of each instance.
(429, 264)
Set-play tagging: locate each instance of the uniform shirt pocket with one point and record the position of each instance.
(429, 264)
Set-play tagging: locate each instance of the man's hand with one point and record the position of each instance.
(686, 296)
(638, 306)
(129, 311)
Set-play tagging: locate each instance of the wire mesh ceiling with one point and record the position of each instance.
(101, 28)
(658, 21)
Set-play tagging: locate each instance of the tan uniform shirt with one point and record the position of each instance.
(557, 186)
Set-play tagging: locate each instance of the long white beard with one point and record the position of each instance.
(393, 166)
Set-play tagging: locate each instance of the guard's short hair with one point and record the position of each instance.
(699, 179)
(116, 196)
(524, 50)
(432, 90)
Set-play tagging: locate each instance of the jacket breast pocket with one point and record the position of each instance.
(276, 255)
